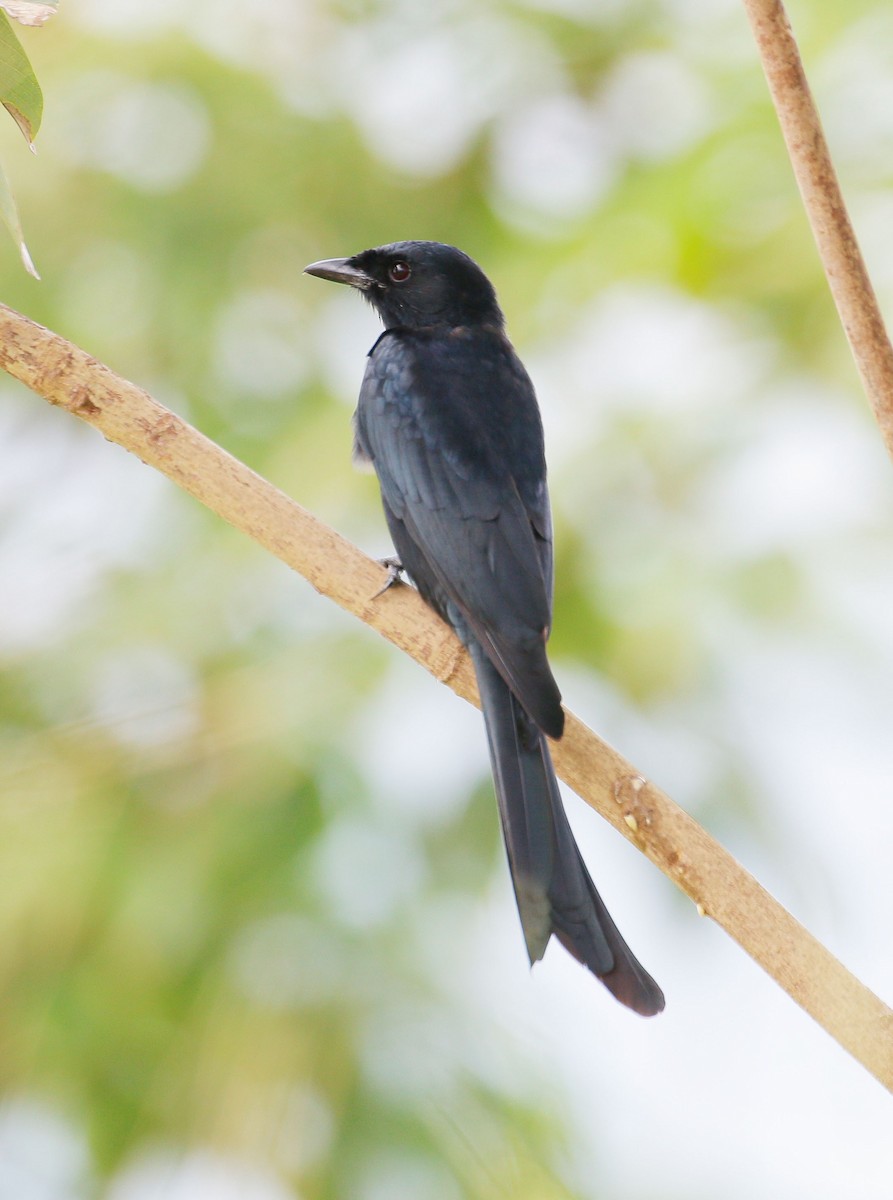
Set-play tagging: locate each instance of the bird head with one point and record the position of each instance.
(418, 285)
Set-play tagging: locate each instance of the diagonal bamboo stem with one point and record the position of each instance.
(686, 853)
(838, 249)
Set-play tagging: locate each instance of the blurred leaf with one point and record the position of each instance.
(10, 215)
(20, 92)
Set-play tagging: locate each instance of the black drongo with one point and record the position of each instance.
(448, 418)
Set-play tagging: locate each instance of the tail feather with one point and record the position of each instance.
(552, 885)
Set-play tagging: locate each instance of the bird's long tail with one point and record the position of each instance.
(554, 891)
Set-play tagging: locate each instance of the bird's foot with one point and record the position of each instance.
(395, 573)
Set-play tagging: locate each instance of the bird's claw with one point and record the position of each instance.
(395, 572)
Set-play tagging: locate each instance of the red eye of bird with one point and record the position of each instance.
(399, 272)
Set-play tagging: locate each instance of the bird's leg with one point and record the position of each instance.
(395, 572)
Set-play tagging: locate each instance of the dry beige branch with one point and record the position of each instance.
(838, 249)
(685, 852)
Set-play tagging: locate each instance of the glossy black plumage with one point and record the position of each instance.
(448, 418)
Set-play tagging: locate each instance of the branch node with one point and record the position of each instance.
(162, 429)
(82, 405)
(454, 660)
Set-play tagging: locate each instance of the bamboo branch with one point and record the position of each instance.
(838, 249)
(66, 376)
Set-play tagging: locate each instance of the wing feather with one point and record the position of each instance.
(477, 546)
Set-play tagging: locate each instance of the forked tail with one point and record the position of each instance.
(552, 885)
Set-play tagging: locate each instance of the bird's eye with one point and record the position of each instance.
(399, 272)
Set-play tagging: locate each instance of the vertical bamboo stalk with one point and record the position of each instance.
(819, 187)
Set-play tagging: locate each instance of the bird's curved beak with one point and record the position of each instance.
(341, 271)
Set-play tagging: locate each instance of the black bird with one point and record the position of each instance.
(448, 418)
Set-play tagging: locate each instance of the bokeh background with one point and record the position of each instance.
(257, 938)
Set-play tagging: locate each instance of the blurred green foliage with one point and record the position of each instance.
(217, 930)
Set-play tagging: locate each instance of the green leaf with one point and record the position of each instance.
(30, 12)
(10, 215)
(20, 92)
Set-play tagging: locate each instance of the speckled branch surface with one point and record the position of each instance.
(810, 157)
(69, 378)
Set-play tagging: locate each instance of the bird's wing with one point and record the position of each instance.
(476, 544)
